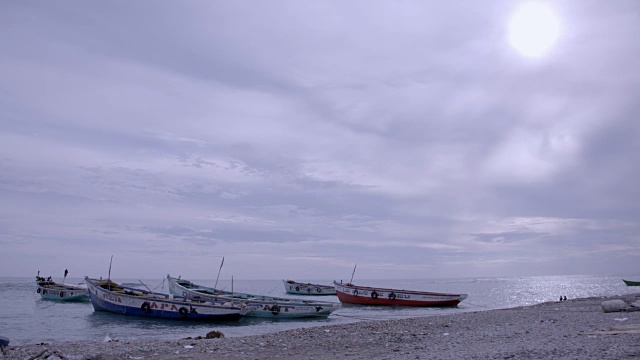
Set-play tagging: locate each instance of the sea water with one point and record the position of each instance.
(27, 319)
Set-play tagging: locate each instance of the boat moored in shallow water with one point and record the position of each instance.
(55, 291)
(366, 295)
(631, 283)
(293, 287)
(259, 305)
(107, 295)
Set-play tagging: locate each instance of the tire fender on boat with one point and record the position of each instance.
(61, 293)
(275, 309)
(297, 288)
(145, 307)
(355, 292)
(38, 291)
(183, 311)
(374, 295)
(318, 290)
(392, 296)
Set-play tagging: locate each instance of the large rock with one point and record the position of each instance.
(613, 306)
(214, 334)
(3, 343)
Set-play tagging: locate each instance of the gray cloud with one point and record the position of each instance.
(410, 138)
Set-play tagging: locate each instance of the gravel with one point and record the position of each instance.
(573, 329)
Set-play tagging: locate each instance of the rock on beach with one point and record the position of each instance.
(573, 329)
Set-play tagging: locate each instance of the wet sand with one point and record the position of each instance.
(573, 329)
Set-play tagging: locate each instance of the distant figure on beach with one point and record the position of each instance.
(560, 298)
(565, 298)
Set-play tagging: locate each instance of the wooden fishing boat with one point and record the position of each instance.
(631, 283)
(365, 295)
(292, 287)
(51, 290)
(259, 305)
(109, 296)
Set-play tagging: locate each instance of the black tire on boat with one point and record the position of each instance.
(355, 292)
(61, 293)
(183, 311)
(275, 309)
(38, 291)
(297, 288)
(145, 307)
(392, 296)
(318, 290)
(374, 295)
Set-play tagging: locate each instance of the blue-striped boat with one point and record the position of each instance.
(107, 295)
(51, 290)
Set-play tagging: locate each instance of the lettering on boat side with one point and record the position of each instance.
(163, 306)
(111, 297)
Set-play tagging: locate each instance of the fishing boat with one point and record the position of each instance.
(51, 290)
(365, 295)
(292, 287)
(631, 283)
(107, 295)
(259, 305)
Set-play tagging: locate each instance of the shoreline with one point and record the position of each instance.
(570, 329)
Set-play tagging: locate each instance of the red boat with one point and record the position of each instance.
(364, 295)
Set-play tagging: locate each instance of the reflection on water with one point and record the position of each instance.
(28, 319)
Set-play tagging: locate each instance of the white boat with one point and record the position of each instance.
(51, 290)
(260, 306)
(107, 295)
(292, 287)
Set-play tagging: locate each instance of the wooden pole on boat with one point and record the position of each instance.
(109, 278)
(222, 263)
(354, 272)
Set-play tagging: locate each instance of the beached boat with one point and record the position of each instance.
(260, 306)
(631, 283)
(51, 290)
(365, 295)
(109, 296)
(292, 287)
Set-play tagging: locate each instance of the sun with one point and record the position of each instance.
(533, 29)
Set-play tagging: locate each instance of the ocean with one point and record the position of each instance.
(27, 319)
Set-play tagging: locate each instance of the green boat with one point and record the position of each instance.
(631, 283)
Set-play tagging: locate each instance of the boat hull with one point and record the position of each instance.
(160, 306)
(61, 292)
(259, 306)
(363, 295)
(292, 287)
(631, 283)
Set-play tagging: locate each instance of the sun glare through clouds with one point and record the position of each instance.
(533, 29)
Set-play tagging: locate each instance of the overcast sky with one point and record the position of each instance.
(298, 138)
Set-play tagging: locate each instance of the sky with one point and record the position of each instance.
(296, 139)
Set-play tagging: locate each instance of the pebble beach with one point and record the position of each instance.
(572, 329)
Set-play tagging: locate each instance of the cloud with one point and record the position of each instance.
(400, 136)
